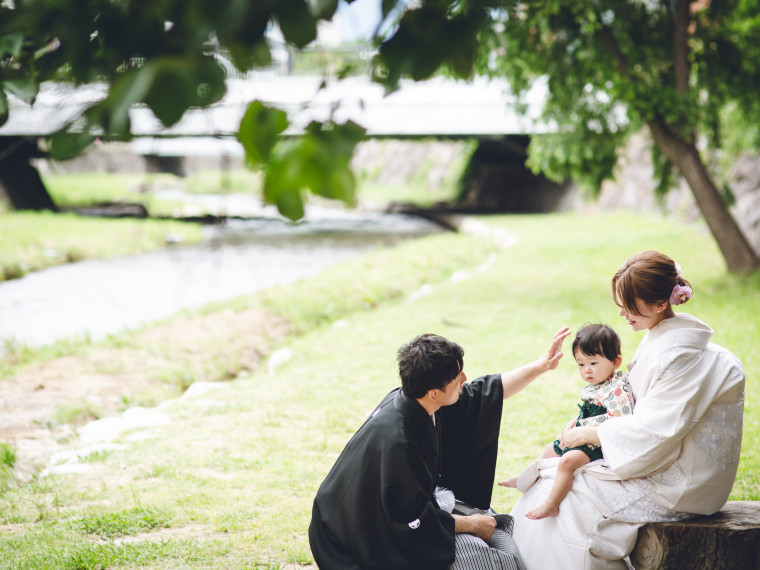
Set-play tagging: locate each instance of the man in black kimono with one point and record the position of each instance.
(377, 508)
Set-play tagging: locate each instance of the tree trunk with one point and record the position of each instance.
(739, 255)
(727, 540)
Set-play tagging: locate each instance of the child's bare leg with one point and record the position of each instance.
(570, 461)
(547, 453)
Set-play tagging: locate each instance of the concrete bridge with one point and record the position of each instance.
(440, 107)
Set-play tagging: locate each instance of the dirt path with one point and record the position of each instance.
(42, 406)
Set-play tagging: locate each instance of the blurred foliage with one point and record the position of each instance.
(171, 56)
(609, 67)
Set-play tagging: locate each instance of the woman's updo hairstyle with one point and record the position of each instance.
(650, 276)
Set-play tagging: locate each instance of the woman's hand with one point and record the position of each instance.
(578, 436)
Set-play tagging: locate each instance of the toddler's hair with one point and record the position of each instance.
(597, 339)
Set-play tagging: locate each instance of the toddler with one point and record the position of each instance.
(596, 349)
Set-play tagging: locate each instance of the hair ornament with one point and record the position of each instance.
(680, 294)
(679, 273)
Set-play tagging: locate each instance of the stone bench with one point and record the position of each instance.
(729, 539)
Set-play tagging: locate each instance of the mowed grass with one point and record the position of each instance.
(230, 480)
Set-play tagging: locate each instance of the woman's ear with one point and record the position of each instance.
(618, 361)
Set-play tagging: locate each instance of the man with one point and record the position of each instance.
(377, 508)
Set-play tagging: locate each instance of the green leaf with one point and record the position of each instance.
(350, 133)
(245, 57)
(296, 22)
(259, 131)
(342, 184)
(210, 82)
(290, 204)
(65, 145)
(323, 9)
(25, 88)
(129, 89)
(3, 107)
(172, 91)
(11, 44)
(282, 184)
(388, 6)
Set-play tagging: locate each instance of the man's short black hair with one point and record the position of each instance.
(597, 340)
(428, 362)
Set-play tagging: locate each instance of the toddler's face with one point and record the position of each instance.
(594, 369)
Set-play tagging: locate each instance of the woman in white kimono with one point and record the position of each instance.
(675, 457)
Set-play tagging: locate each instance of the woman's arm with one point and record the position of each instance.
(517, 379)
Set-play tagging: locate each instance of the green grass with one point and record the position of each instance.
(231, 479)
(30, 241)
(238, 180)
(8, 458)
(78, 412)
(122, 523)
(88, 188)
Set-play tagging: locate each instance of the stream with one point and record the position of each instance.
(95, 298)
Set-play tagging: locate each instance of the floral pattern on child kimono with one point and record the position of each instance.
(609, 399)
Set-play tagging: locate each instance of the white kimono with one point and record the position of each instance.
(674, 457)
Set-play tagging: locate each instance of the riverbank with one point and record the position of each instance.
(225, 477)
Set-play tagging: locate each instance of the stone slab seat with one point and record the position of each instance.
(729, 539)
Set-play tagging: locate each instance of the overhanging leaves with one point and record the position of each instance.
(259, 131)
(318, 161)
(298, 25)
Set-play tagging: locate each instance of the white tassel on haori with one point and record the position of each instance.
(445, 499)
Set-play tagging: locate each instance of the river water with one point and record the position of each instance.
(96, 298)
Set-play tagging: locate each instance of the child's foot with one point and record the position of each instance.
(511, 482)
(543, 511)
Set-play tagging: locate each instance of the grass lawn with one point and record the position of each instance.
(31, 241)
(229, 480)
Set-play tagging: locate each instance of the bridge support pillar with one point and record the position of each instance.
(19, 179)
(497, 180)
(162, 163)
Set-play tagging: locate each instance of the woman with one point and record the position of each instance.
(675, 457)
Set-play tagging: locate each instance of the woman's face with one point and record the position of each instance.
(650, 315)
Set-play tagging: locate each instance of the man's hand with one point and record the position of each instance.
(481, 526)
(554, 353)
(515, 380)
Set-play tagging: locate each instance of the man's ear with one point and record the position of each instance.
(432, 394)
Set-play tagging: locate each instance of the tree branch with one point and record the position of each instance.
(608, 38)
(681, 46)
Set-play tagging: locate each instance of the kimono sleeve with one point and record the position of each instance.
(422, 532)
(470, 441)
(680, 390)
